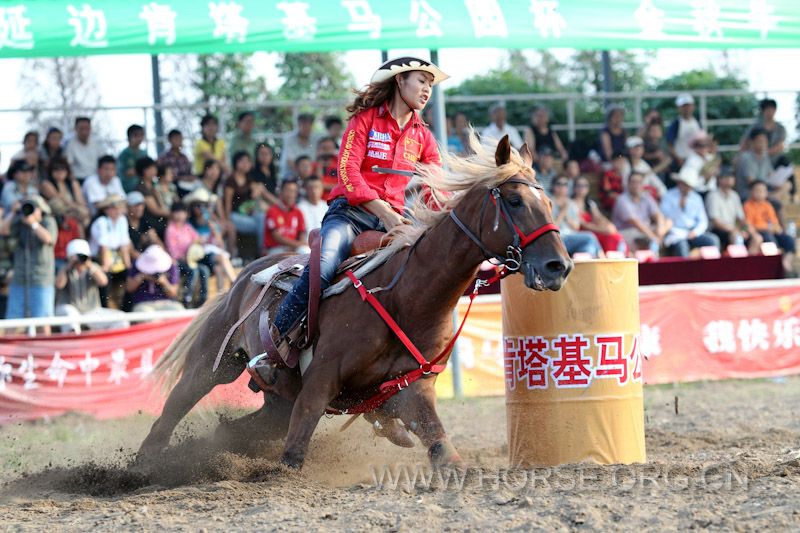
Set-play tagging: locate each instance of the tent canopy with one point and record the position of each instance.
(35, 28)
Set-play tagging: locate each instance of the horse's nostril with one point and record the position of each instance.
(556, 267)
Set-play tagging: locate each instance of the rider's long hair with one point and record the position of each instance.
(373, 95)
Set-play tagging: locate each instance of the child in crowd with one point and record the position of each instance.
(612, 184)
(758, 212)
(179, 237)
(126, 162)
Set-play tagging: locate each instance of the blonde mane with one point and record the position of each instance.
(450, 183)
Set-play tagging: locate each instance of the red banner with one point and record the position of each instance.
(713, 331)
(737, 330)
(103, 373)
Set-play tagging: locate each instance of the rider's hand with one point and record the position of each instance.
(392, 218)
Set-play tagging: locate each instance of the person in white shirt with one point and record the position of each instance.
(701, 167)
(683, 128)
(299, 142)
(82, 151)
(313, 206)
(110, 243)
(105, 183)
(498, 128)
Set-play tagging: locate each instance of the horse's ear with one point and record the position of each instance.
(526, 154)
(503, 153)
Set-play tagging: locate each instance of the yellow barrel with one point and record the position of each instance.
(573, 370)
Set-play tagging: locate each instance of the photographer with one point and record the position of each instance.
(153, 282)
(31, 292)
(77, 283)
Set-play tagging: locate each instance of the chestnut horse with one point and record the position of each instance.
(495, 204)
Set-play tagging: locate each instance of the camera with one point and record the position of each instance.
(28, 207)
(82, 258)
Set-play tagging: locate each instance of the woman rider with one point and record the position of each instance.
(384, 130)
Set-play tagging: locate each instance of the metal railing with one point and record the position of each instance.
(145, 114)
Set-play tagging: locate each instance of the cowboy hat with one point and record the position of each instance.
(407, 64)
(111, 199)
(154, 260)
(689, 178)
(201, 196)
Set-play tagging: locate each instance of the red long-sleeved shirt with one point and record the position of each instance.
(373, 138)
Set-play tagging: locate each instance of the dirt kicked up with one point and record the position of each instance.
(729, 459)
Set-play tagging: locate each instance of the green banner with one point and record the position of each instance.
(64, 27)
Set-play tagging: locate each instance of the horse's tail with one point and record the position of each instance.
(173, 360)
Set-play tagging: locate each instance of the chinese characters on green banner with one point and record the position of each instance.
(64, 27)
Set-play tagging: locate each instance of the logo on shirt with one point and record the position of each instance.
(412, 150)
(379, 136)
(379, 145)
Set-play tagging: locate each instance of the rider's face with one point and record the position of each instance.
(415, 89)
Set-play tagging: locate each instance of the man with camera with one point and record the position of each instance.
(78, 283)
(31, 292)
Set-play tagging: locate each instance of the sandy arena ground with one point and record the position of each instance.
(729, 460)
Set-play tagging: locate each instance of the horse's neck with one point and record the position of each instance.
(442, 265)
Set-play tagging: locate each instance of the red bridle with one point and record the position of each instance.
(513, 258)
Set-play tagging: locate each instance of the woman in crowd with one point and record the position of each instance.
(540, 135)
(68, 205)
(240, 201)
(567, 216)
(592, 219)
(656, 149)
(612, 136)
(155, 208)
(210, 182)
(206, 223)
(265, 170)
(50, 149)
(110, 244)
(636, 163)
(165, 185)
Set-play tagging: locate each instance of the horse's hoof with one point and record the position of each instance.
(395, 432)
(289, 461)
(442, 454)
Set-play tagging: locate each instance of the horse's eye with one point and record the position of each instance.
(515, 201)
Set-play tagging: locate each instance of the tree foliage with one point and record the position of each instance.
(58, 90)
(314, 76)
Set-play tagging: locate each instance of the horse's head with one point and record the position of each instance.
(515, 223)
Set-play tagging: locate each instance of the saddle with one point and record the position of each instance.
(283, 276)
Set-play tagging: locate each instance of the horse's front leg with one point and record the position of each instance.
(416, 407)
(319, 388)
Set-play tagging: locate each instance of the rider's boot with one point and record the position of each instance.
(277, 352)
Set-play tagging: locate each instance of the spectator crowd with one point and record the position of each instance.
(86, 232)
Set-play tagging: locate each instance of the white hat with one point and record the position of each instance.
(407, 64)
(689, 178)
(154, 260)
(683, 99)
(135, 198)
(78, 247)
(633, 141)
(199, 195)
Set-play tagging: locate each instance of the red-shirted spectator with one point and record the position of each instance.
(284, 227)
(612, 184)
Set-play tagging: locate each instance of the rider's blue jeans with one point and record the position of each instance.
(341, 225)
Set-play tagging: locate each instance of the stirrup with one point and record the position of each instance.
(257, 383)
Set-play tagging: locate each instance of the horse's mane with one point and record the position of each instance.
(451, 182)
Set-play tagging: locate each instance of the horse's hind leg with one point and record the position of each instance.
(194, 384)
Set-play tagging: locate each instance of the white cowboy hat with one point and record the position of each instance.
(194, 254)
(154, 260)
(200, 195)
(78, 247)
(407, 64)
